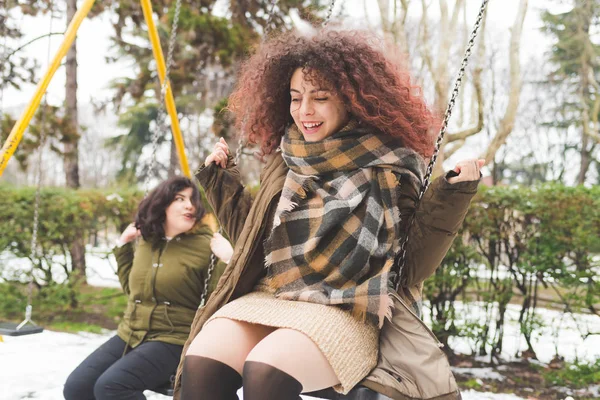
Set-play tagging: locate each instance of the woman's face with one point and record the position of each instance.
(181, 214)
(317, 111)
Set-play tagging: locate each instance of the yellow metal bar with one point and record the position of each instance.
(169, 100)
(16, 134)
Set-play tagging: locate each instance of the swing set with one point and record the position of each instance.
(27, 326)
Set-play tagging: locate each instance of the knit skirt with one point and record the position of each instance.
(350, 346)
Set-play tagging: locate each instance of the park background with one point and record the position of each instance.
(517, 300)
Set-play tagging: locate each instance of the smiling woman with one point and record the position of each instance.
(308, 290)
(317, 111)
(164, 261)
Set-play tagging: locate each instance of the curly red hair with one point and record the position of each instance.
(375, 90)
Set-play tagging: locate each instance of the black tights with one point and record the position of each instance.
(205, 378)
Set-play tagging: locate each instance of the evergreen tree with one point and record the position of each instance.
(208, 50)
(575, 62)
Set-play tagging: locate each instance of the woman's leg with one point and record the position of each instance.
(214, 361)
(283, 365)
(148, 366)
(80, 383)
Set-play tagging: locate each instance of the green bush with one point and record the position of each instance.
(64, 215)
(527, 239)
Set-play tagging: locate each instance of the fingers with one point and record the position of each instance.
(221, 247)
(219, 155)
(467, 170)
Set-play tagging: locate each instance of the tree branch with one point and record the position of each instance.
(477, 71)
(12, 53)
(450, 152)
(508, 121)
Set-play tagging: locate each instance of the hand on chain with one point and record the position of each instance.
(467, 170)
(219, 154)
(221, 247)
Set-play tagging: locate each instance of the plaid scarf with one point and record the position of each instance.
(336, 227)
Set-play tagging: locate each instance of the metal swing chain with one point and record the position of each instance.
(36, 206)
(160, 115)
(36, 216)
(211, 268)
(241, 141)
(3, 59)
(400, 258)
(329, 13)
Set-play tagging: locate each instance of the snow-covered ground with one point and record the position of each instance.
(36, 366)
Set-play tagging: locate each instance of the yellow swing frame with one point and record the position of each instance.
(16, 134)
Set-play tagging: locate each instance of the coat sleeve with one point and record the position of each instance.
(227, 196)
(437, 221)
(124, 257)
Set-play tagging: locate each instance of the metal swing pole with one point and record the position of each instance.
(168, 98)
(18, 130)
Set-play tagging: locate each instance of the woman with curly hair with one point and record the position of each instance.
(163, 274)
(302, 304)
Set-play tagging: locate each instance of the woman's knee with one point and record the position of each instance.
(227, 341)
(78, 388)
(104, 388)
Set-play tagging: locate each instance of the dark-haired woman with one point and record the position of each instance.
(163, 275)
(308, 290)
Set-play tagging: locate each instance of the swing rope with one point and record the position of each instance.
(400, 259)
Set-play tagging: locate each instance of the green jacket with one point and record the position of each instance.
(411, 365)
(164, 286)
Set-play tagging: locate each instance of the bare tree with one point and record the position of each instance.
(71, 147)
(510, 114)
(448, 37)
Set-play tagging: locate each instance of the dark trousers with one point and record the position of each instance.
(107, 374)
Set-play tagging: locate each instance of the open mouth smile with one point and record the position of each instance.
(311, 127)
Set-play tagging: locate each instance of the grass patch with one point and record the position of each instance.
(575, 375)
(472, 383)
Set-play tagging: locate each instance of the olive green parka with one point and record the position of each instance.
(164, 285)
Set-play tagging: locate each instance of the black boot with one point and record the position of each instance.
(207, 379)
(265, 382)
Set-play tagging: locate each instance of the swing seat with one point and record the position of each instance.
(166, 390)
(357, 393)
(10, 329)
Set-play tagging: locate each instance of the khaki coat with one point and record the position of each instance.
(411, 363)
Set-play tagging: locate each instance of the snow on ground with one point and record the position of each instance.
(481, 373)
(474, 395)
